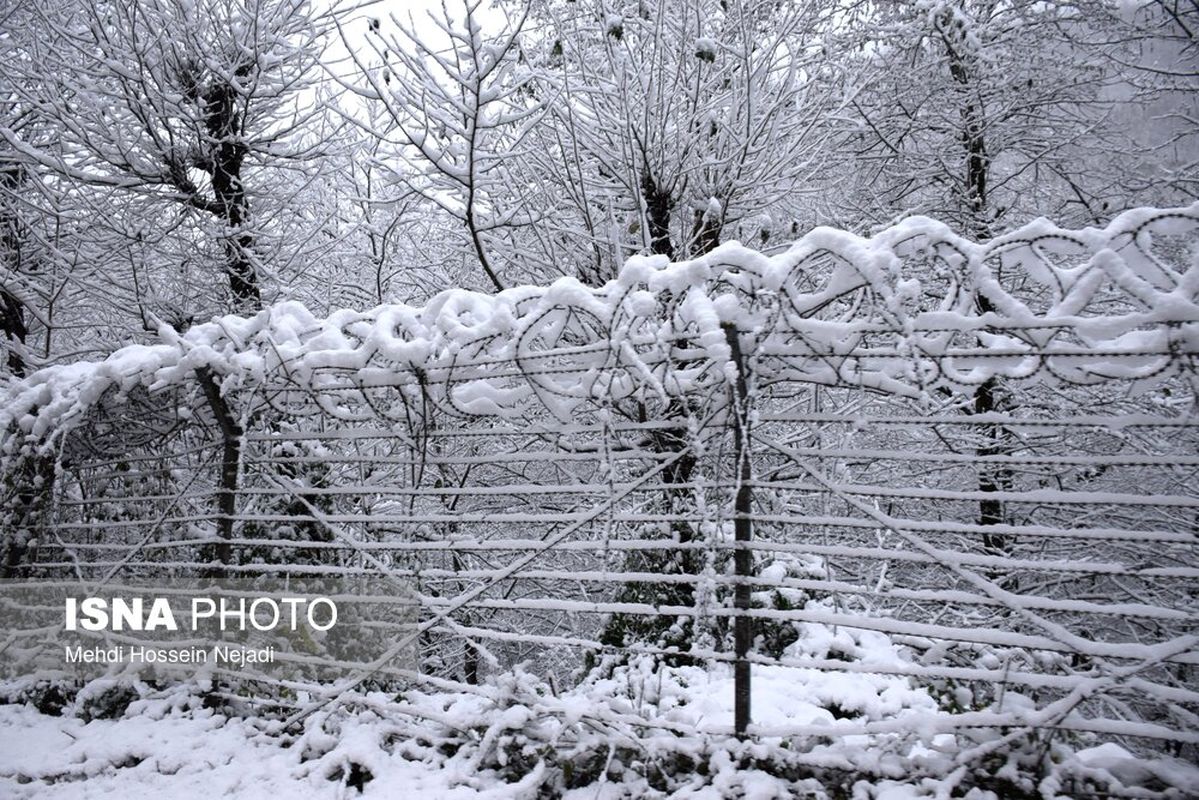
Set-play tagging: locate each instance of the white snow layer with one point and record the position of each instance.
(515, 737)
(895, 312)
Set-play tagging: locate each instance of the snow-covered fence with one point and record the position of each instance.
(986, 455)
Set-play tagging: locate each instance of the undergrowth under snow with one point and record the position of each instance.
(622, 733)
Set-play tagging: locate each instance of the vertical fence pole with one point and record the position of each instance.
(743, 634)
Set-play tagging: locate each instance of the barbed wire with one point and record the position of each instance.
(527, 482)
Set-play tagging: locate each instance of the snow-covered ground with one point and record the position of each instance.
(200, 754)
(635, 732)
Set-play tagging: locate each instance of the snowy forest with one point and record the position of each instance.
(678, 398)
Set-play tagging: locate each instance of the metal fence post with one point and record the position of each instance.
(743, 634)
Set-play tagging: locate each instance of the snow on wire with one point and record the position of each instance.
(899, 312)
(976, 458)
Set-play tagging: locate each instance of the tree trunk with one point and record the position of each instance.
(988, 396)
(658, 205)
(12, 313)
(228, 153)
(705, 232)
(222, 553)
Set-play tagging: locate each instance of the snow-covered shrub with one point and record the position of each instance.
(48, 696)
(105, 698)
(705, 50)
(674, 634)
(772, 637)
(26, 485)
(643, 732)
(295, 464)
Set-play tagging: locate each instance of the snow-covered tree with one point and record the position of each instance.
(986, 114)
(680, 123)
(192, 123)
(456, 111)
